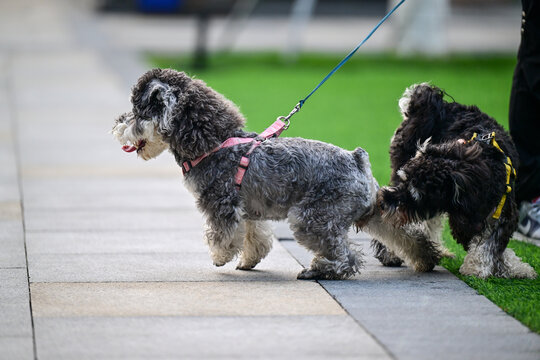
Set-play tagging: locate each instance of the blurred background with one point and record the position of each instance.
(265, 55)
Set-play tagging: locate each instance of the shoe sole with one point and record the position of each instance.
(519, 236)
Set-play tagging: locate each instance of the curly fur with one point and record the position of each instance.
(385, 256)
(319, 188)
(436, 171)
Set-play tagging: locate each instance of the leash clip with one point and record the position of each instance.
(286, 119)
(486, 138)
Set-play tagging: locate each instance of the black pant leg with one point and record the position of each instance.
(524, 115)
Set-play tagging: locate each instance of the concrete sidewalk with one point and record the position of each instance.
(102, 256)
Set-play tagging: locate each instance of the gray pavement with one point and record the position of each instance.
(101, 253)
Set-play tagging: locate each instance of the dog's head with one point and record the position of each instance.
(438, 179)
(172, 110)
(155, 99)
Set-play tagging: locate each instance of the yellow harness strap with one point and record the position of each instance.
(510, 170)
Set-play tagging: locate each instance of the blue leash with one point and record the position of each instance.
(301, 102)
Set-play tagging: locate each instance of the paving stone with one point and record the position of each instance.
(112, 193)
(116, 242)
(420, 313)
(112, 220)
(413, 314)
(16, 348)
(10, 211)
(12, 252)
(260, 337)
(9, 188)
(62, 63)
(12, 244)
(232, 298)
(194, 266)
(83, 150)
(9, 183)
(30, 120)
(14, 304)
(99, 88)
(27, 26)
(127, 169)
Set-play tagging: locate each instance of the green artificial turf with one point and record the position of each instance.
(358, 106)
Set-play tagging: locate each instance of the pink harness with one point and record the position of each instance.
(273, 131)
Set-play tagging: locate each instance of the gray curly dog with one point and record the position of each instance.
(319, 188)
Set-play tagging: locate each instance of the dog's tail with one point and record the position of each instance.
(423, 105)
(361, 157)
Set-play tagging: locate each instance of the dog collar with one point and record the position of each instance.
(489, 138)
(273, 131)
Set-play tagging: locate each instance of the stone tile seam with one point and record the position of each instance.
(11, 105)
(112, 231)
(183, 317)
(86, 209)
(180, 254)
(172, 281)
(369, 333)
(106, 230)
(375, 339)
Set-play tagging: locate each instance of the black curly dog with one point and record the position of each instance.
(449, 158)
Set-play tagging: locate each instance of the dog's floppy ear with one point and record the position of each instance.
(424, 105)
(157, 101)
(158, 95)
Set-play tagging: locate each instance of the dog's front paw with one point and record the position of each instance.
(313, 274)
(309, 274)
(221, 258)
(243, 266)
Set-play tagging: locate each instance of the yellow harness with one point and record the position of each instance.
(510, 170)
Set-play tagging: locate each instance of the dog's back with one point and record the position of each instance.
(286, 171)
(426, 115)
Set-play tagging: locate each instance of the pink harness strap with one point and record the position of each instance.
(273, 131)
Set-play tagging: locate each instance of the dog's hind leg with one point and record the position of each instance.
(413, 242)
(334, 260)
(385, 256)
(487, 255)
(510, 265)
(257, 244)
(434, 227)
(327, 239)
(430, 241)
(224, 243)
(482, 259)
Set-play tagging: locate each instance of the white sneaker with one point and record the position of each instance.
(529, 220)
